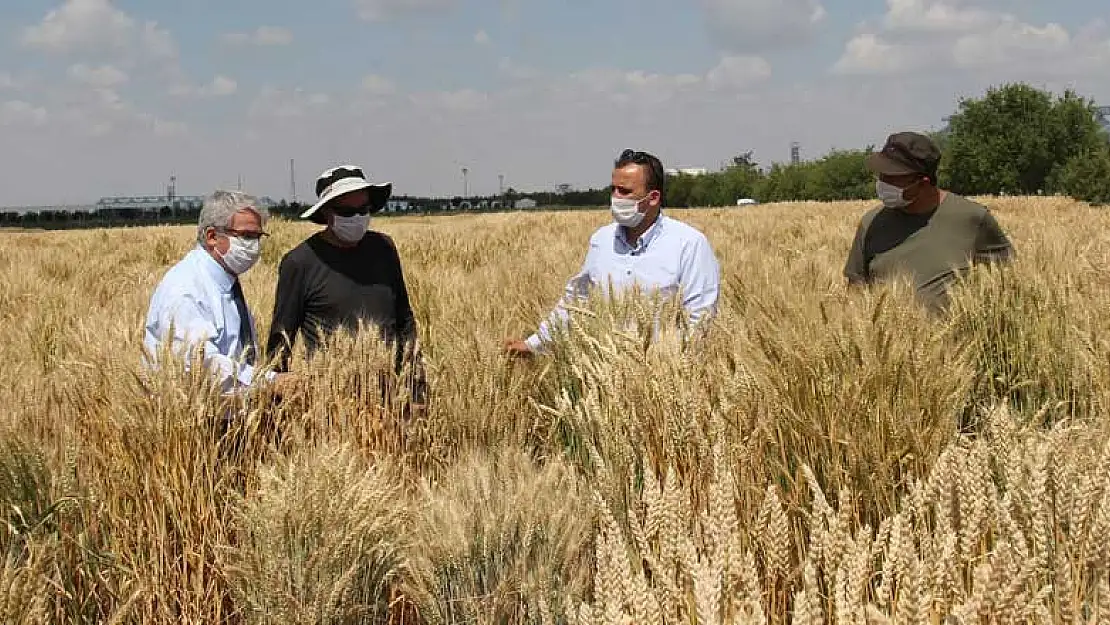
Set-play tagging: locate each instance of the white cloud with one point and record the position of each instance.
(636, 90)
(734, 72)
(80, 24)
(538, 127)
(515, 70)
(273, 103)
(756, 25)
(462, 100)
(6, 81)
(162, 128)
(641, 90)
(219, 86)
(659, 82)
(20, 113)
(261, 36)
(482, 38)
(96, 26)
(581, 121)
(379, 10)
(958, 35)
(110, 143)
(157, 41)
(84, 109)
(100, 76)
(376, 85)
(932, 16)
(1011, 42)
(578, 116)
(870, 54)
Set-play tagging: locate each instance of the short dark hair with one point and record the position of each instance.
(655, 177)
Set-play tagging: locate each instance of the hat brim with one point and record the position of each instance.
(882, 164)
(379, 194)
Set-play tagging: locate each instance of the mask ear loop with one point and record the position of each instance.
(917, 182)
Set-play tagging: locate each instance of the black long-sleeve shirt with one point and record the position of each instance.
(323, 288)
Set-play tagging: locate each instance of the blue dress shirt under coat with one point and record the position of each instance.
(195, 298)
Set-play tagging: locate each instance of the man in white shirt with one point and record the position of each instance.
(200, 299)
(641, 247)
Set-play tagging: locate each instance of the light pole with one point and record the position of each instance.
(501, 184)
(172, 193)
(466, 188)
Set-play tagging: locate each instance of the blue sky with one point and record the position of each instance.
(107, 97)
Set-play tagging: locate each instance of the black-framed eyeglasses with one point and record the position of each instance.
(250, 235)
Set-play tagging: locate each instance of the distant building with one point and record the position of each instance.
(154, 203)
(149, 203)
(61, 208)
(686, 171)
(525, 203)
(129, 207)
(397, 206)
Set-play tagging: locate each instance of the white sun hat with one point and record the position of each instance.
(344, 179)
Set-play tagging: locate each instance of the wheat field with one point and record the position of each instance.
(826, 456)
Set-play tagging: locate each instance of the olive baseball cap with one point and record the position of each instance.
(906, 153)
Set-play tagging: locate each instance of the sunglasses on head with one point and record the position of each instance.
(642, 158)
(638, 157)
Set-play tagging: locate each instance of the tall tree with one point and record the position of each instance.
(1012, 139)
(1086, 176)
(741, 179)
(842, 175)
(786, 183)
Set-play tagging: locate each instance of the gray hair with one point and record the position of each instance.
(220, 207)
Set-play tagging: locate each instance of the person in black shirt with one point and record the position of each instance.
(343, 276)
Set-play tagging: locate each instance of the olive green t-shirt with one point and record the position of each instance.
(932, 247)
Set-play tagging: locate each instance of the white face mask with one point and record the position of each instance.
(626, 211)
(892, 196)
(241, 254)
(350, 229)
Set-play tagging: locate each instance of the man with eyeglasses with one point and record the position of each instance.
(199, 303)
(344, 276)
(641, 247)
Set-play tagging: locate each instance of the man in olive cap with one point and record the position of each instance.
(930, 233)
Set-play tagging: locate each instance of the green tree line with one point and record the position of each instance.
(1014, 140)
